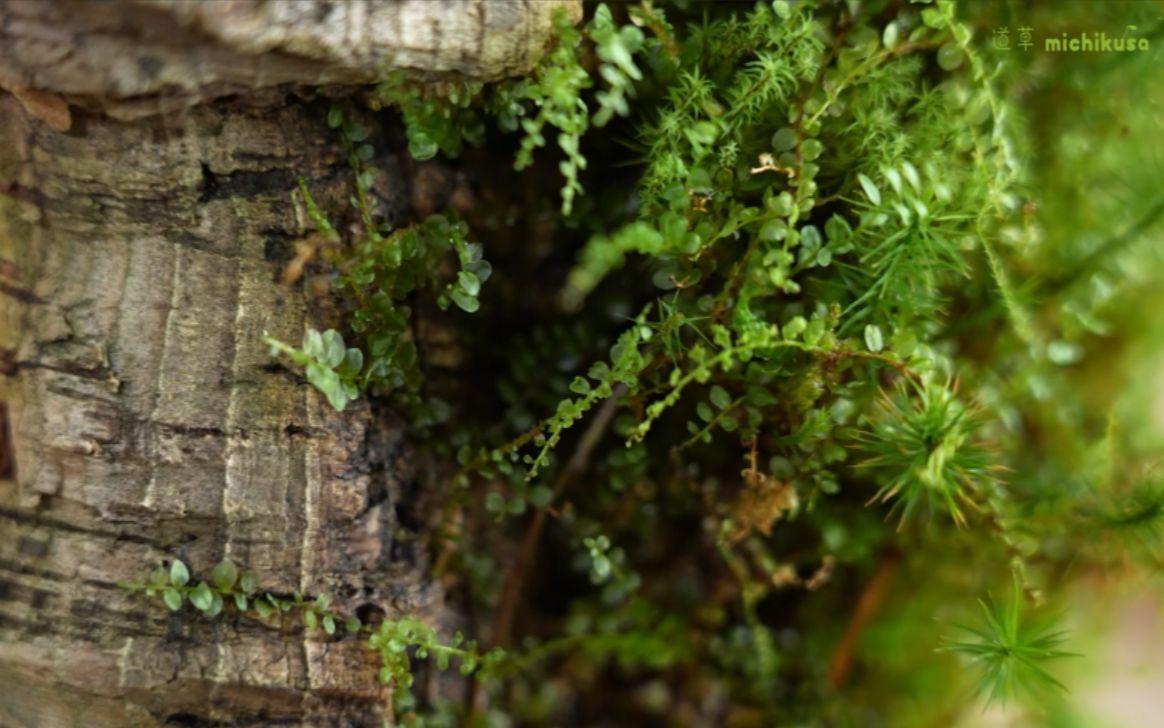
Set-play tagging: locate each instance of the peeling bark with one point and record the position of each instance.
(141, 419)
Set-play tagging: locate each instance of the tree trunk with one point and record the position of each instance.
(141, 418)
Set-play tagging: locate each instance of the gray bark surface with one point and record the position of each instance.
(142, 238)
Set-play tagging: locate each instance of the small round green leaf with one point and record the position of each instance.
(719, 397)
(224, 575)
(541, 495)
(784, 140)
(313, 344)
(949, 56)
(704, 412)
(179, 574)
(773, 230)
(811, 149)
(249, 583)
(333, 348)
(202, 597)
(173, 599)
(465, 301)
(469, 283)
(517, 505)
(421, 146)
(890, 35)
(159, 577)
(352, 364)
(494, 502)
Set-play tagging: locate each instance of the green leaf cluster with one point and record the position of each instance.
(437, 119)
(377, 272)
(444, 118)
(398, 641)
(227, 585)
(331, 367)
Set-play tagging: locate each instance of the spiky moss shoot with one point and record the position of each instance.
(922, 439)
(1010, 650)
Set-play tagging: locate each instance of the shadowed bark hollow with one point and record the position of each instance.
(141, 418)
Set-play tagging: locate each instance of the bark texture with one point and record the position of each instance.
(131, 58)
(141, 419)
(148, 423)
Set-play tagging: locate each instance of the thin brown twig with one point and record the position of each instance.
(867, 604)
(579, 460)
(515, 577)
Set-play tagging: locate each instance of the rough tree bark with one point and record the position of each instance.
(148, 149)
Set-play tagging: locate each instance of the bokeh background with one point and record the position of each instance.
(1096, 135)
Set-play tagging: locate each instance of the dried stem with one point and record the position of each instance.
(515, 577)
(579, 460)
(867, 604)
